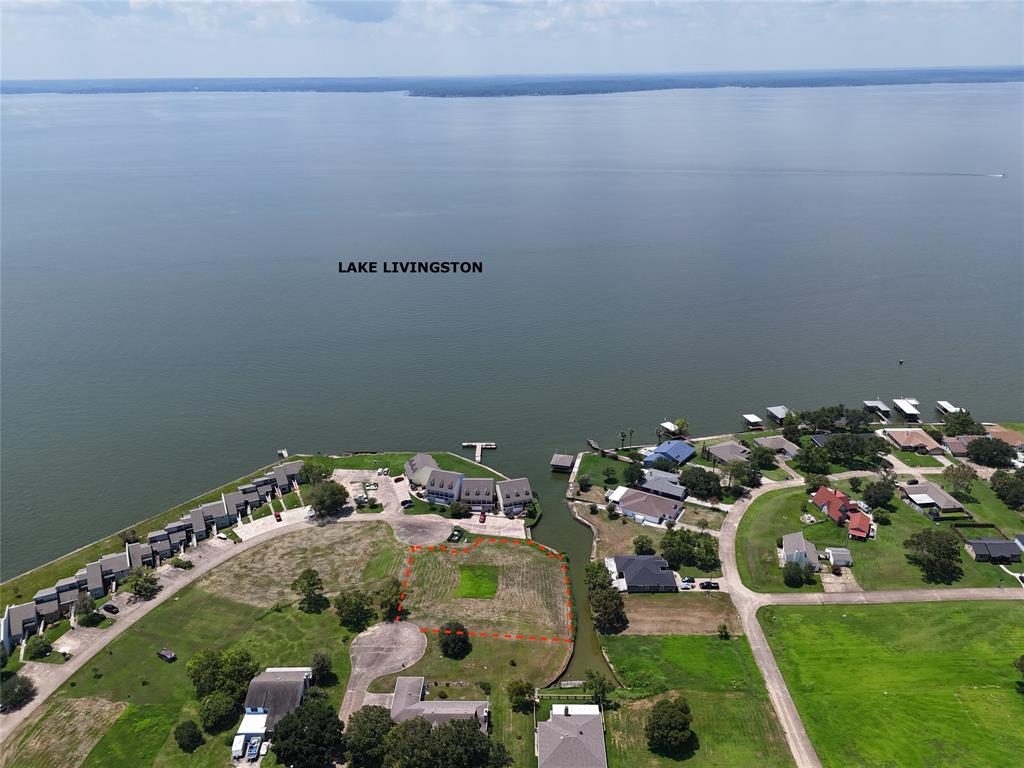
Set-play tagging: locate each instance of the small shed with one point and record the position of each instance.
(839, 556)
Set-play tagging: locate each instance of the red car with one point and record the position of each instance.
(483, 517)
(277, 516)
(399, 479)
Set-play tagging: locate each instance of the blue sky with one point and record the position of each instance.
(164, 38)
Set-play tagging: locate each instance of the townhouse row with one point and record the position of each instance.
(511, 498)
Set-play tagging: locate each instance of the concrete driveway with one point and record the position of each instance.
(380, 650)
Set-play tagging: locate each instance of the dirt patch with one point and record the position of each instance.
(64, 734)
(615, 537)
(680, 614)
(346, 555)
(531, 596)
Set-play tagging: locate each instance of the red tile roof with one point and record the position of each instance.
(859, 524)
(833, 503)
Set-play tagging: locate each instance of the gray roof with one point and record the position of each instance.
(177, 537)
(649, 505)
(136, 553)
(407, 703)
(663, 484)
(93, 575)
(114, 563)
(443, 480)
(778, 412)
(20, 615)
(198, 519)
(936, 493)
(839, 555)
(778, 443)
(279, 691)
(795, 542)
(69, 581)
(516, 491)
(68, 597)
(729, 451)
(420, 465)
(45, 593)
(153, 536)
(283, 471)
(476, 490)
(995, 548)
(645, 571)
(563, 460)
(232, 501)
(571, 741)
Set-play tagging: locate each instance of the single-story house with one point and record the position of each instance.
(646, 507)
(418, 468)
(514, 496)
(955, 446)
(663, 484)
(1007, 436)
(572, 737)
(796, 549)
(836, 505)
(777, 413)
(443, 487)
(677, 451)
(930, 499)
(478, 493)
(822, 439)
(562, 462)
(913, 440)
(729, 451)
(778, 444)
(408, 703)
(839, 556)
(641, 573)
(993, 550)
(858, 525)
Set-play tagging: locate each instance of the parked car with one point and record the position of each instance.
(167, 655)
(222, 536)
(912, 481)
(110, 608)
(380, 470)
(277, 516)
(687, 585)
(386, 471)
(399, 479)
(688, 580)
(709, 585)
(407, 503)
(483, 517)
(455, 535)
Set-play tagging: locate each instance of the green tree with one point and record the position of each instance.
(664, 464)
(633, 474)
(354, 609)
(327, 499)
(128, 536)
(701, 482)
(1018, 664)
(37, 647)
(217, 711)
(237, 668)
(409, 744)
(366, 737)
(609, 611)
(142, 583)
(878, 493)
(187, 736)
(622, 440)
(520, 695)
(813, 482)
(959, 478)
(85, 610)
(596, 576)
(936, 552)
(310, 588)
(598, 686)
(312, 473)
(681, 547)
(682, 426)
(807, 573)
(610, 475)
(962, 423)
(460, 744)
(723, 632)
(310, 736)
(813, 460)
(668, 725)
(322, 666)
(387, 597)
(762, 457)
(1009, 487)
(203, 670)
(642, 545)
(586, 482)
(990, 452)
(498, 756)
(792, 575)
(792, 432)
(454, 640)
(16, 691)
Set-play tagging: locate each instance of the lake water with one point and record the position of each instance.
(172, 311)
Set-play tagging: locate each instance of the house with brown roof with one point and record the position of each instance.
(916, 440)
(1008, 436)
(930, 499)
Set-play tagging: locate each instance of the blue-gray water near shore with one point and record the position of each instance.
(173, 314)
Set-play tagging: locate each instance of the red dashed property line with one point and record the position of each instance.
(415, 549)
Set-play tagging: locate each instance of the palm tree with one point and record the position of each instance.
(630, 435)
(622, 440)
(659, 434)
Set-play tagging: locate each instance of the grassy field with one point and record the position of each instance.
(878, 564)
(477, 581)
(927, 685)
(595, 465)
(986, 506)
(912, 459)
(734, 724)
(688, 613)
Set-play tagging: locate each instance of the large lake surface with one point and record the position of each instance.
(173, 314)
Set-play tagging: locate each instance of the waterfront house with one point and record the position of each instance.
(993, 550)
(641, 573)
(477, 493)
(955, 446)
(19, 622)
(915, 440)
(836, 505)
(443, 487)
(1008, 436)
(839, 556)
(562, 462)
(663, 484)
(930, 499)
(777, 413)
(778, 444)
(418, 468)
(730, 450)
(571, 737)
(407, 703)
(286, 476)
(796, 549)
(648, 508)
(514, 496)
(822, 439)
(676, 451)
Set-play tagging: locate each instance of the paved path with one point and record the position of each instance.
(748, 603)
(380, 650)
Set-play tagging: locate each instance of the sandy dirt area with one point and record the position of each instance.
(684, 613)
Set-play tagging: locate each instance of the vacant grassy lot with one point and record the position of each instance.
(135, 738)
(733, 721)
(479, 581)
(594, 465)
(496, 662)
(63, 735)
(683, 613)
(530, 597)
(933, 684)
(346, 555)
(878, 564)
(986, 506)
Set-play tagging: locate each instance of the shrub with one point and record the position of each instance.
(216, 711)
(187, 736)
(723, 632)
(181, 562)
(593, 509)
(485, 686)
(37, 647)
(792, 576)
(442, 694)
(855, 483)
(321, 666)
(16, 691)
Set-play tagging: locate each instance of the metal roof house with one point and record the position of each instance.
(839, 556)
(514, 496)
(418, 468)
(407, 703)
(277, 691)
(993, 550)
(572, 737)
(676, 451)
(930, 499)
(641, 573)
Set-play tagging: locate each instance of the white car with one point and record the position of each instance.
(386, 471)
(222, 536)
(380, 471)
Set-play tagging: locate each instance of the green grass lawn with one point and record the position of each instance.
(54, 631)
(477, 581)
(395, 462)
(912, 459)
(878, 564)
(734, 724)
(291, 500)
(595, 465)
(776, 473)
(135, 737)
(987, 508)
(927, 685)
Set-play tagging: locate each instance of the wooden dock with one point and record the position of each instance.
(478, 448)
